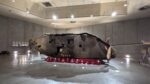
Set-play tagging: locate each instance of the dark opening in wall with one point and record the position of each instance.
(70, 41)
(47, 4)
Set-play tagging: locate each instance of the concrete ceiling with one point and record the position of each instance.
(19, 9)
(60, 3)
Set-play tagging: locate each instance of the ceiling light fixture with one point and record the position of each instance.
(72, 16)
(54, 17)
(125, 5)
(13, 0)
(114, 14)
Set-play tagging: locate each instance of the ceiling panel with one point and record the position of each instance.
(59, 3)
(7, 8)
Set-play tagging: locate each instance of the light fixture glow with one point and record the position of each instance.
(54, 17)
(127, 61)
(83, 67)
(125, 5)
(127, 56)
(13, 0)
(114, 14)
(54, 65)
(72, 16)
(15, 52)
(117, 71)
(28, 52)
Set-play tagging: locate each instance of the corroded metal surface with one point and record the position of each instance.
(71, 46)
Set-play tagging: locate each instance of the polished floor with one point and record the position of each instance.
(27, 69)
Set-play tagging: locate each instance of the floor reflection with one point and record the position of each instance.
(24, 59)
(19, 60)
(31, 68)
(58, 70)
(127, 61)
(64, 70)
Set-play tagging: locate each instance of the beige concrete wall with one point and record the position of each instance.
(17, 30)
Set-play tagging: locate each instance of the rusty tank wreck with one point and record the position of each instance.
(82, 45)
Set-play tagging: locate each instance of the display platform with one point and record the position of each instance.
(76, 61)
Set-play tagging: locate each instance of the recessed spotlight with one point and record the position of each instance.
(13, 0)
(125, 5)
(72, 16)
(54, 17)
(114, 14)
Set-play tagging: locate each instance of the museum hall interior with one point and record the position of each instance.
(74, 41)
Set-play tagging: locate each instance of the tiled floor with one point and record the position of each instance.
(19, 69)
